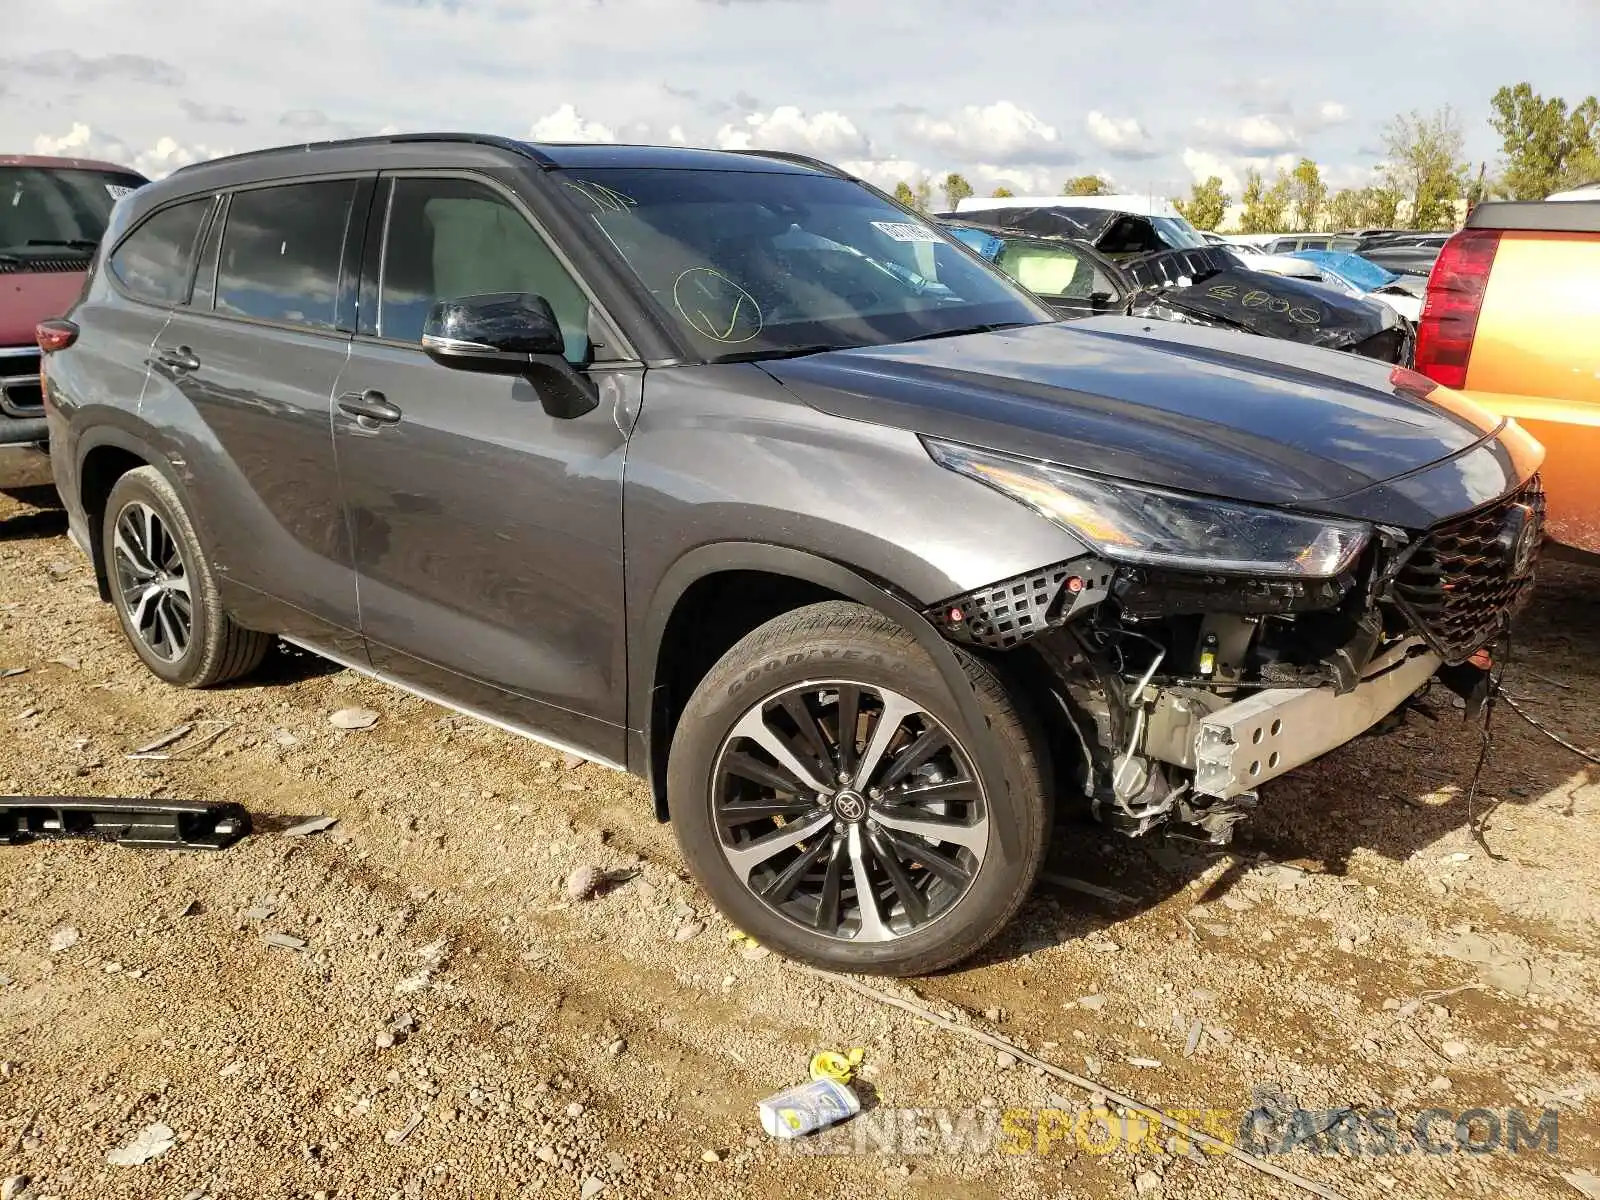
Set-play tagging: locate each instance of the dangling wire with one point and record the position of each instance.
(1485, 744)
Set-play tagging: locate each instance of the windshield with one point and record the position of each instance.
(52, 211)
(757, 264)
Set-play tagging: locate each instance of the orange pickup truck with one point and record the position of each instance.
(1512, 320)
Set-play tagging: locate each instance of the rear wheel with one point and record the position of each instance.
(826, 792)
(163, 590)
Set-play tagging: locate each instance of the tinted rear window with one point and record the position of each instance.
(281, 251)
(153, 261)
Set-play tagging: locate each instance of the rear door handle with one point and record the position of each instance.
(179, 358)
(370, 408)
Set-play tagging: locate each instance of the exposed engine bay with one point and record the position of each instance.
(1183, 692)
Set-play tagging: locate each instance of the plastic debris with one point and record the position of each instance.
(1586, 1182)
(310, 826)
(148, 1143)
(585, 883)
(831, 1064)
(807, 1108)
(395, 1136)
(164, 740)
(353, 718)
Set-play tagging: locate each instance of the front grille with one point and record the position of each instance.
(20, 391)
(1459, 585)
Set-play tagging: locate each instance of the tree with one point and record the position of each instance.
(1264, 207)
(956, 189)
(1307, 192)
(1002, 193)
(904, 194)
(1382, 207)
(1207, 204)
(922, 194)
(1424, 165)
(1086, 185)
(1545, 146)
(1346, 209)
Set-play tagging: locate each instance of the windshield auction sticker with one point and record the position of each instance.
(906, 231)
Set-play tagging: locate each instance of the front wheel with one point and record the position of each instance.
(825, 792)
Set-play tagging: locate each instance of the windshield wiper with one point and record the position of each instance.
(785, 352)
(966, 329)
(85, 244)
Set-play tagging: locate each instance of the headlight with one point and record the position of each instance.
(1131, 523)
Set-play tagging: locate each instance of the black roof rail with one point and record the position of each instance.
(801, 160)
(526, 149)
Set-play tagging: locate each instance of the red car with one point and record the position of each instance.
(52, 214)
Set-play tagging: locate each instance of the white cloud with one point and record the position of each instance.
(1121, 136)
(164, 157)
(998, 133)
(1259, 134)
(885, 172)
(829, 135)
(676, 136)
(566, 125)
(1203, 164)
(1331, 112)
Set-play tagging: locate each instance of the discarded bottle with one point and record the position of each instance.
(807, 1108)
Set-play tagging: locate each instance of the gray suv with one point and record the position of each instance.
(724, 469)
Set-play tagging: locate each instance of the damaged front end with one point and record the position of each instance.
(1184, 675)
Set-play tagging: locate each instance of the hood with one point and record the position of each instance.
(1179, 406)
(28, 297)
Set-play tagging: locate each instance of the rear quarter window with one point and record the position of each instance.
(281, 252)
(152, 262)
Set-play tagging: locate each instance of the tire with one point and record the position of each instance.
(807, 663)
(149, 592)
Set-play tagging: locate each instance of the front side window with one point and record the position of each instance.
(281, 251)
(1049, 270)
(50, 211)
(153, 261)
(447, 239)
(1177, 233)
(753, 264)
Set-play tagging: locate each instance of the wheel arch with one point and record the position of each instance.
(809, 577)
(105, 453)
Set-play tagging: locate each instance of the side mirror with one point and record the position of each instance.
(509, 333)
(497, 333)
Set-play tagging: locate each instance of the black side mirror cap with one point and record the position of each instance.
(510, 333)
(498, 333)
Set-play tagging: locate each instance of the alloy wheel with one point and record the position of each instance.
(153, 581)
(849, 810)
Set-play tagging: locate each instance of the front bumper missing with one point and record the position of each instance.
(1242, 746)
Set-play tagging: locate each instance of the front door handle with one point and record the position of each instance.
(370, 408)
(179, 358)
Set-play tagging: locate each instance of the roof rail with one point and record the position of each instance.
(526, 149)
(803, 160)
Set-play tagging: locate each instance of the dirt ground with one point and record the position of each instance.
(453, 1025)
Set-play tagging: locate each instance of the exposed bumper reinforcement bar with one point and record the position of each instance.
(1240, 747)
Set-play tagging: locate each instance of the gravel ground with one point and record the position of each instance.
(409, 1004)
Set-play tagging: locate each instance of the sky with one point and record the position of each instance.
(1153, 94)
